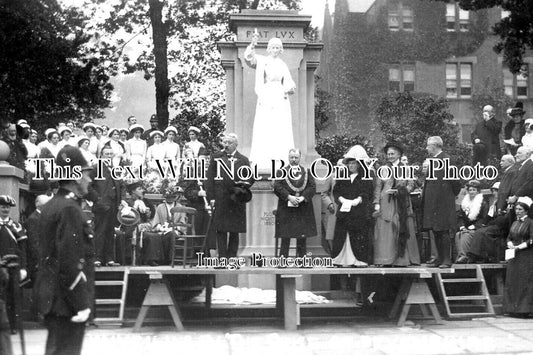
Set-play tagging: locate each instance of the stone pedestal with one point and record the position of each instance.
(10, 178)
(302, 59)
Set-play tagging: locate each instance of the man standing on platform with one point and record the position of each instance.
(295, 217)
(439, 205)
(106, 195)
(486, 137)
(229, 195)
(65, 245)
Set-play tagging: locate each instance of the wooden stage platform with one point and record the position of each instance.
(413, 291)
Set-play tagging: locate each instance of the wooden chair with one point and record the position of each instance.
(185, 246)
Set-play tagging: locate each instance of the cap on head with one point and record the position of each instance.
(71, 156)
(6, 200)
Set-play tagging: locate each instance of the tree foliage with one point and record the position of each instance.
(410, 119)
(334, 147)
(196, 81)
(48, 73)
(515, 31)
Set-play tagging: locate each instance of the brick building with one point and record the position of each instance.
(420, 46)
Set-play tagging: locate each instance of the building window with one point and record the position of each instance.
(402, 77)
(459, 80)
(400, 17)
(516, 85)
(456, 18)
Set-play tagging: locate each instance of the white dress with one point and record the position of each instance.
(172, 150)
(136, 151)
(273, 119)
(195, 147)
(93, 145)
(155, 152)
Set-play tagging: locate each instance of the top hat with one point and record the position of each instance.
(518, 109)
(240, 192)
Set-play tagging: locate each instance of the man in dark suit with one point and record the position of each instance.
(228, 195)
(106, 195)
(295, 217)
(523, 182)
(65, 245)
(486, 137)
(509, 170)
(439, 205)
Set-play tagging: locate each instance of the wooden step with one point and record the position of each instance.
(109, 283)
(470, 315)
(471, 280)
(108, 301)
(108, 320)
(467, 298)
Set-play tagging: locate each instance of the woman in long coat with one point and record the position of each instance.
(394, 233)
(518, 292)
(353, 196)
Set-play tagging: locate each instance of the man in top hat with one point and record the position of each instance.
(106, 195)
(13, 240)
(486, 137)
(154, 126)
(439, 205)
(65, 285)
(228, 195)
(514, 130)
(295, 217)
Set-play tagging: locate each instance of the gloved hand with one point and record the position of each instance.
(81, 316)
(521, 245)
(23, 274)
(510, 245)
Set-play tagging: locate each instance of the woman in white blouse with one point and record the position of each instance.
(136, 147)
(156, 151)
(119, 151)
(65, 133)
(89, 129)
(51, 149)
(83, 144)
(194, 144)
(172, 149)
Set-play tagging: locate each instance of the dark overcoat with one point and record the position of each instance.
(523, 182)
(358, 219)
(506, 184)
(488, 132)
(439, 201)
(63, 286)
(298, 221)
(229, 215)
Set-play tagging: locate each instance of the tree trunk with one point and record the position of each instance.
(159, 33)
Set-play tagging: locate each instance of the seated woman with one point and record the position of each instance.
(488, 242)
(518, 292)
(470, 217)
(157, 244)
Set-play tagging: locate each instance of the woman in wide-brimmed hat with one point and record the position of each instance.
(194, 145)
(119, 151)
(471, 216)
(394, 231)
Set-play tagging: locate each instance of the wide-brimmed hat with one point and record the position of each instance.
(153, 133)
(128, 216)
(81, 140)
(241, 192)
(194, 129)
(88, 125)
(63, 129)
(525, 200)
(23, 123)
(111, 131)
(49, 130)
(394, 145)
(518, 109)
(133, 185)
(171, 129)
(474, 183)
(357, 152)
(135, 127)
